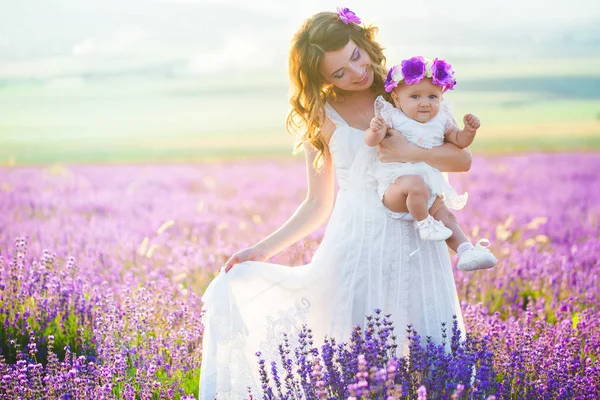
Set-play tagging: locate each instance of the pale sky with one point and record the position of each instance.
(69, 38)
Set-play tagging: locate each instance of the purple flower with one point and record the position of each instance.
(390, 83)
(413, 70)
(347, 16)
(541, 346)
(442, 74)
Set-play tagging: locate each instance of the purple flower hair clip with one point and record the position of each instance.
(412, 71)
(347, 16)
(442, 74)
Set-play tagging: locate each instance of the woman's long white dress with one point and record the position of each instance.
(362, 263)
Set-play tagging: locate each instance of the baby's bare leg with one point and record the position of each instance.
(436, 206)
(442, 213)
(408, 194)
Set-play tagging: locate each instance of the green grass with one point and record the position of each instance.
(58, 154)
(127, 155)
(525, 106)
(534, 144)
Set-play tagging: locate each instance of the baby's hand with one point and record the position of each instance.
(472, 123)
(376, 132)
(377, 124)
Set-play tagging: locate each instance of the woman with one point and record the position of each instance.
(364, 260)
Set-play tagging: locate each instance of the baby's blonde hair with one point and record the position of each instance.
(322, 33)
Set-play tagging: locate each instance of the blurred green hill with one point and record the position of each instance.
(143, 116)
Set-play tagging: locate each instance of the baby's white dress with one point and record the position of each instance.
(426, 135)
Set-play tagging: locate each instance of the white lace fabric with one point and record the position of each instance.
(362, 263)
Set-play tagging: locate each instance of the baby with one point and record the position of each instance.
(417, 87)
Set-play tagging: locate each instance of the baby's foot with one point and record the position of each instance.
(430, 229)
(478, 257)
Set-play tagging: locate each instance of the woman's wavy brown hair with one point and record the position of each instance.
(321, 33)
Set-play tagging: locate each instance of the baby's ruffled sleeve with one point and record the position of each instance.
(385, 110)
(447, 114)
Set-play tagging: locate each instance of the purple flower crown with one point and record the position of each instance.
(414, 69)
(347, 16)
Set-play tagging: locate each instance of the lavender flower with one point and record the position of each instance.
(112, 310)
(368, 366)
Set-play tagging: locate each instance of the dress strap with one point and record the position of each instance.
(333, 115)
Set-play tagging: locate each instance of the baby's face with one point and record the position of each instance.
(420, 102)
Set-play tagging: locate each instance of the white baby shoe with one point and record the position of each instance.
(479, 257)
(430, 229)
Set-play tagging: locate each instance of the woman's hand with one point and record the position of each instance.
(249, 254)
(447, 157)
(310, 215)
(396, 148)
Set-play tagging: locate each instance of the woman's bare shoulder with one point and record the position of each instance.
(327, 129)
(327, 126)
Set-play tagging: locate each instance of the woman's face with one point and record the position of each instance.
(348, 68)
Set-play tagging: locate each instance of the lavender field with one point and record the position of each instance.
(102, 269)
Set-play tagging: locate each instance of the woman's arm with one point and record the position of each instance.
(311, 213)
(447, 157)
